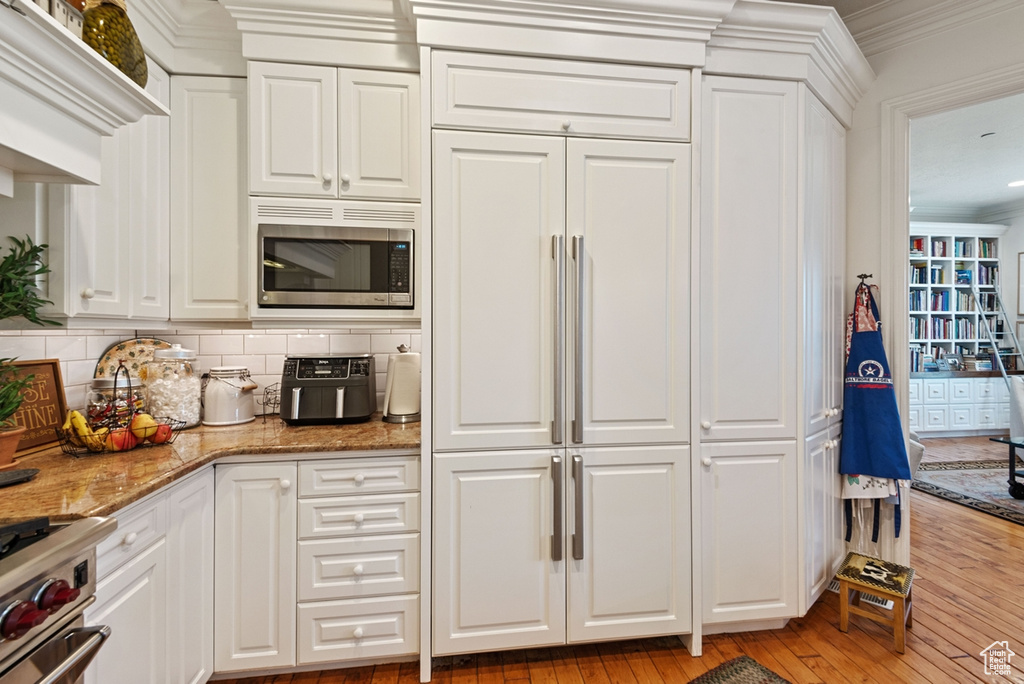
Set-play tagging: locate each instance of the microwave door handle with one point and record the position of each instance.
(339, 403)
(296, 397)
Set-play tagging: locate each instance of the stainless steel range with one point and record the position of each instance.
(47, 579)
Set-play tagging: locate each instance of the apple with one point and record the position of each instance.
(163, 433)
(120, 439)
(143, 426)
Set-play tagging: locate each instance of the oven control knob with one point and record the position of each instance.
(56, 594)
(19, 618)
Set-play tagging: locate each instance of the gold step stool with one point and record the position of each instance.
(860, 573)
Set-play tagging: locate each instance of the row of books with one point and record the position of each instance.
(961, 248)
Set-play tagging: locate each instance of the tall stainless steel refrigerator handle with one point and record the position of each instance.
(577, 481)
(579, 256)
(558, 475)
(558, 254)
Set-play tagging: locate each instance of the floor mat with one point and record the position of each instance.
(742, 670)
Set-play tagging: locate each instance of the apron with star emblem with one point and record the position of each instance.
(874, 455)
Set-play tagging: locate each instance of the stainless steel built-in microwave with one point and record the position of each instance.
(342, 267)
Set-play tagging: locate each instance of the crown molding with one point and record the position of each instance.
(805, 43)
(666, 32)
(893, 24)
(189, 36)
(368, 33)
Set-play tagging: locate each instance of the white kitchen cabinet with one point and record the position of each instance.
(537, 95)
(316, 562)
(958, 405)
(209, 253)
(823, 266)
(552, 257)
(532, 550)
(749, 551)
(317, 131)
(772, 234)
(748, 292)
(132, 601)
(254, 567)
(155, 589)
(107, 243)
(821, 512)
(190, 579)
(497, 582)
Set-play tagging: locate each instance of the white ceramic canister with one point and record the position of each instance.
(172, 388)
(229, 396)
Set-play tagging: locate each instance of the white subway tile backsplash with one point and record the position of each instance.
(221, 344)
(306, 343)
(96, 345)
(261, 351)
(23, 348)
(265, 343)
(203, 364)
(388, 344)
(67, 348)
(255, 363)
(350, 344)
(275, 364)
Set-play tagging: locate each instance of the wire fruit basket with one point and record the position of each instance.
(117, 424)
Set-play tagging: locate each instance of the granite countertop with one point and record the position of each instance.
(69, 487)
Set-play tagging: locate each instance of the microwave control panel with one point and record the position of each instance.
(399, 268)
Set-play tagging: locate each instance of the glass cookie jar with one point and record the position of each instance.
(112, 401)
(172, 388)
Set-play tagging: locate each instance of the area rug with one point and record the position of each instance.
(981, 485)
(742, 670)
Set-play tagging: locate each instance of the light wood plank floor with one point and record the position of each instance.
(969, 592)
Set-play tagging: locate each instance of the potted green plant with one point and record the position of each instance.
(19, 297)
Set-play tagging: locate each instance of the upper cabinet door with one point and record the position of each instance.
(748, 266)
(629, 331)
(559, 96)
(293, 128)
(379, 115)
(498, 203)
(149, 205)
(209, 214)
(823, 238)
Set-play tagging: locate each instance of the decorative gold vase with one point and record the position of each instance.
(107, 30)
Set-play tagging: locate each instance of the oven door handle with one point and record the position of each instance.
(74, 665)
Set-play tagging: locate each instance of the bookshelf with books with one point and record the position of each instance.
(946, 261)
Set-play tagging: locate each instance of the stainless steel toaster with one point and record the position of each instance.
(328, 389)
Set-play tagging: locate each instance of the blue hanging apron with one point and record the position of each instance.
(873, 444)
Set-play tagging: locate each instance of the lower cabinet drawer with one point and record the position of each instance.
(136, 530)
(353, 515)
(358, 566)
(358, 628)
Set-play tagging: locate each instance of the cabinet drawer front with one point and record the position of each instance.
(936, 391)
(357, 515)
(136, 530)
(501, 92)
(358, 566)
(960, 391)
(358, 629)
(915, 390)
(356, 476)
